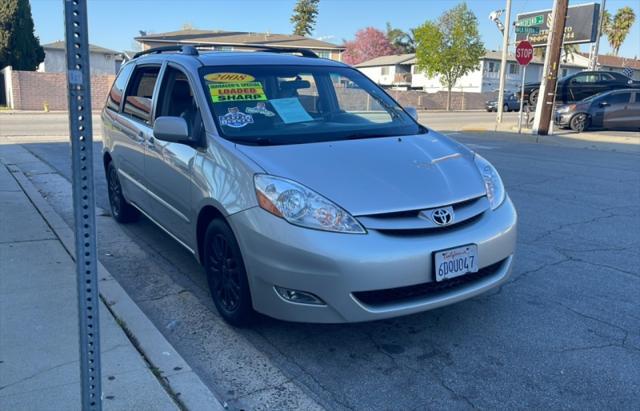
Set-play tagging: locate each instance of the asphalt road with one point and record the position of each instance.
(564, 332)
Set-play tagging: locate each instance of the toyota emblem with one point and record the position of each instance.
(442, 216)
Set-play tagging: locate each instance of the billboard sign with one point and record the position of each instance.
(581, 25)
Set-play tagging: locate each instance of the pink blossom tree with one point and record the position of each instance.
(369, 43)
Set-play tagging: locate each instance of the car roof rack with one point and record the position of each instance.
(192, 49)
(188, 50)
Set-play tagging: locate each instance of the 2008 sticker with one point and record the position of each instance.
(229, 78)
(235, 118)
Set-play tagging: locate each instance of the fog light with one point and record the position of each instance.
(300, 297)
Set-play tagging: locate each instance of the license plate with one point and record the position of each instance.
(455, 262)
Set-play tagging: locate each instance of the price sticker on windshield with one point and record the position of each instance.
(234, 92)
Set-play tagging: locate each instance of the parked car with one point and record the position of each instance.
(581, 85)
(511, 103)
(616, 109)
(303, 201)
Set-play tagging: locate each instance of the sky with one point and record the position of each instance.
(114, 23)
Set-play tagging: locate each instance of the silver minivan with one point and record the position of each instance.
(305, 191)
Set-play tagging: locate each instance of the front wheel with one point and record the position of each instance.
(579, 122)
(226, 275)
(121, 210)
(533, 97)
(505, 109)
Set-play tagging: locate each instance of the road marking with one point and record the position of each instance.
(480, 146)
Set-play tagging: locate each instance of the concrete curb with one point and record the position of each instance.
(166, 363)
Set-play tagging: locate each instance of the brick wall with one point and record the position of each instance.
(32, 89)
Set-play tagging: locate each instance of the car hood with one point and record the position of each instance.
(378, 175)
(529, 85)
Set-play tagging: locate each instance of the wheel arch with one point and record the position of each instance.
(207, 214)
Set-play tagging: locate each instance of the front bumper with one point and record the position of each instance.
(340, 267)
(562, 119)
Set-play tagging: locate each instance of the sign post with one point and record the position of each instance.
(79, 95)
(524, 54)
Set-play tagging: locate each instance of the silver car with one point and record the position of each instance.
(306, 192)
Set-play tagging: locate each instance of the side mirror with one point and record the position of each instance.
(173, 129)
(412, 111)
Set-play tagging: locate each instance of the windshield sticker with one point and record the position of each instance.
(260, 108)
(235, 118)
(290, 110)
(229, 78)
(224, 92)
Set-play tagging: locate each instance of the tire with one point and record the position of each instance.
(579, 122)
(505, 109)
(121, 210)
(533, 97)
(226, 275)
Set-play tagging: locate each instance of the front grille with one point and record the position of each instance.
(419, 291)
(412, 222)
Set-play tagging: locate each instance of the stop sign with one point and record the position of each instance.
(524, 52)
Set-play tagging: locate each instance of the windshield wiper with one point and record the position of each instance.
(258, 141)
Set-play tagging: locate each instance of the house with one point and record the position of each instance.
(101, 60)
(232, 40)
(401, 72)
(389, 71)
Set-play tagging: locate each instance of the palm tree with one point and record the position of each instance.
(618, 28)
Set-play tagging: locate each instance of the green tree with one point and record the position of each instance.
(19, 47)
(401, 40)
(617, 29)
(449, 47)
(304, 17)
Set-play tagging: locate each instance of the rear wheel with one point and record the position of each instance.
(579, 122)
(121, 210)
(505, 109)
(226, 275)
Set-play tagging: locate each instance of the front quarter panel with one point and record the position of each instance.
(223, 178)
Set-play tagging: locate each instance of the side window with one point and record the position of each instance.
(139, 92)
(117, 90)
(585, 78)
(176, 100)
(606, 77)
(619, 98)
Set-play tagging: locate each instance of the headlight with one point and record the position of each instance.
(302, 206)
(565, 109)
(492, 181)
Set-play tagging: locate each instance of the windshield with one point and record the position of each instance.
(265, 105)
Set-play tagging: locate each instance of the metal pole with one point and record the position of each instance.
(79, 95)
(546, 96)
(594, 57)
(524, 72)
(503, 61)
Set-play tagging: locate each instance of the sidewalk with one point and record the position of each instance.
(39, 366)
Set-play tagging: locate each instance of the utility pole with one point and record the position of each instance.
(546, 97)
(503, 61)
(593, 64)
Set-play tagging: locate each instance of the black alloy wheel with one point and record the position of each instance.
(121, 210)
(226, 275)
